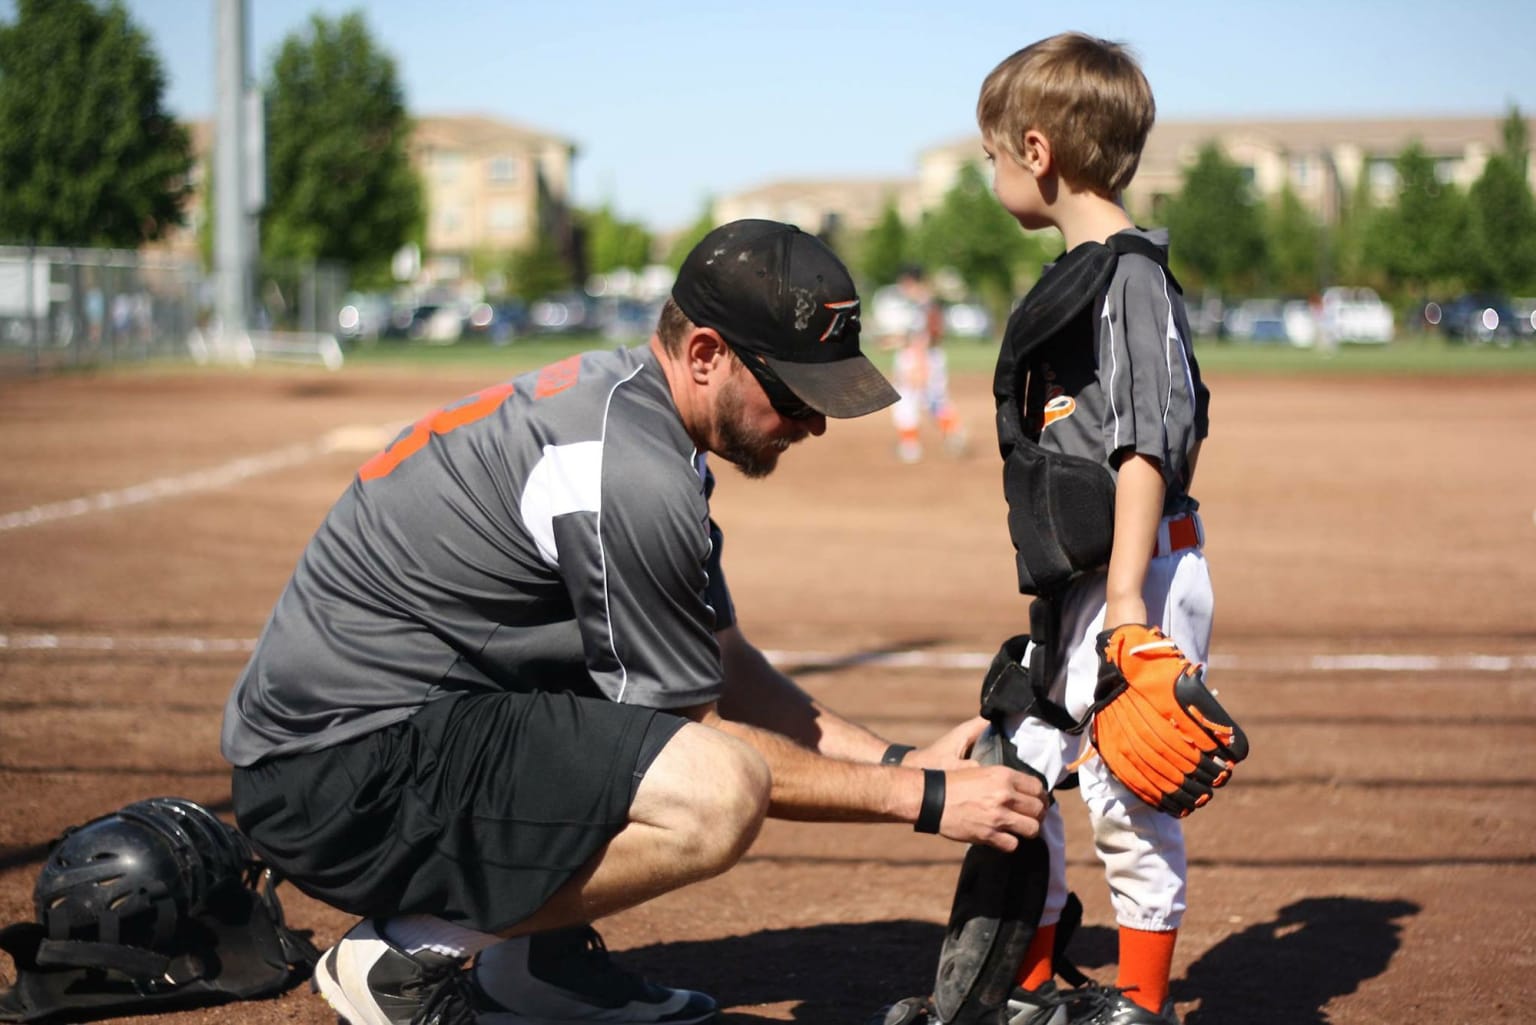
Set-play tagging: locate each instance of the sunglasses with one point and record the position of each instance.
(784, 402)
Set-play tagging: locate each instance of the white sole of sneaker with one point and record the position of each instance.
(329, 973)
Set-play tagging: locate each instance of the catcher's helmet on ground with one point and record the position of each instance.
(132, 876)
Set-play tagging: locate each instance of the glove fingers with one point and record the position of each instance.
(1148, 772)
(1201, 706)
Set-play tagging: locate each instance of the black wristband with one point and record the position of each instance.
(932, 810)
(895, 753)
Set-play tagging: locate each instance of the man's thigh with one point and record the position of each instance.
(476, 809)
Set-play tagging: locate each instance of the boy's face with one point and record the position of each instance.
(1016, 187)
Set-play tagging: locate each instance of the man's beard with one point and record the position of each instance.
(751, 451)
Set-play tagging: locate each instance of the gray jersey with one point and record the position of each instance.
(549, 533)
(1137, 390)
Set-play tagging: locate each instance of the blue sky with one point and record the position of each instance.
(671, 102)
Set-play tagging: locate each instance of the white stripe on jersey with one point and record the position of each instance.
(568, 479)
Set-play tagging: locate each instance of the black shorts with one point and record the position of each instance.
(475, 809)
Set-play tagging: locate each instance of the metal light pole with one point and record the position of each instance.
(233, 232)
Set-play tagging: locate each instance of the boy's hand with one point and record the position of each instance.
(1158, 728)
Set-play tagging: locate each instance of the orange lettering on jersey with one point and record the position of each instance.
(1059, 408)
(476, 407)
(557, 377)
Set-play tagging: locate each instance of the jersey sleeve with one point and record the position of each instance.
(1155, 402)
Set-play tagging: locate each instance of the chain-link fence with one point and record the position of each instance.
(62, 308)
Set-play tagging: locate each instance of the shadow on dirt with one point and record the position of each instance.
(1281, 972)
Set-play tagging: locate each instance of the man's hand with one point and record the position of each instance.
(951, 751)
(992, 805)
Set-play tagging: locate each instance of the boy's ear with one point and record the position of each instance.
(1037, 153)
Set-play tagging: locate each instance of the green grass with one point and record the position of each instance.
(1417, 354)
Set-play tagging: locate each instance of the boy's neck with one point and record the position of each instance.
(1088, 217)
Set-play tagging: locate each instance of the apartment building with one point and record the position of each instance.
(824, 206)
(1321, 160)
(489, 186)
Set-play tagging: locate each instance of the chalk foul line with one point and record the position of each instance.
(813, 660)
(342, 439)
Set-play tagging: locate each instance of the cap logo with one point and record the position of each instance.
(843, 314)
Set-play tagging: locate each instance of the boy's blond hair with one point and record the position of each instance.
(1086, 95)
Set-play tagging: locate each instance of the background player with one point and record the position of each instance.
(921, 372)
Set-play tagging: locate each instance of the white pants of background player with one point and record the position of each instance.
(1142, 849)
(921, 376)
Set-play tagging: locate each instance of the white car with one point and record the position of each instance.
(1354, 315)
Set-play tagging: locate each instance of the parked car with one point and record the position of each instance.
(1300, 321)
(563, 313)
(362, 317)
(1256, 320)
(497, 322)
(1354, 315)
(1477, 318)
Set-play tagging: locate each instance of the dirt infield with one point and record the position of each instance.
(1374, 552)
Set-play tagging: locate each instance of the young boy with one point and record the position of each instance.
(1064, 121)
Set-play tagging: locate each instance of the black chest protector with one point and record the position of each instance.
(1061, 508)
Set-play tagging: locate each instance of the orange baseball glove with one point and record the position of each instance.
(1158, 727)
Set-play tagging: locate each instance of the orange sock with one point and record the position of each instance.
(1146, 960)
(1037, 968)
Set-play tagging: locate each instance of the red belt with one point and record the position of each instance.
(1178, 534)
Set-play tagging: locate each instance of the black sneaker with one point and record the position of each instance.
(1042, 1006)
(369, 981)
(1108, 1005)
(570, 979)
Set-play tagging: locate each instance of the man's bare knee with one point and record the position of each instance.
(709, 791)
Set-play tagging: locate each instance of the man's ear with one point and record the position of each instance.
(1037, 153)
(706, 352)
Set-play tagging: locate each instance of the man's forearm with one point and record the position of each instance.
(759, 695)
(810, 786)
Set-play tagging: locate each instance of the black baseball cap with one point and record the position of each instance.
(780, 295)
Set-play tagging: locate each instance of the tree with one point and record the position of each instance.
(1295, 246)
(1501, 218)
(340, 183)
(613, 243)
(537, 270)
(691, 236)
(88, 156)
(1417, 242)
(884, 249)
(1216, 226)
(972, 234)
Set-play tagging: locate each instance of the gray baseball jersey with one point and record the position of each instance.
(548, 533)
(1138, 389)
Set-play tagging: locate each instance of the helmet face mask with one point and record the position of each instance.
(133, 876)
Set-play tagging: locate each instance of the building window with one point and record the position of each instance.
(449, 220)
(1383, 175)
(506, 217)
(1445, 170)
(1247, 173)
(1301, 170)
(446, 166)
(503, 171)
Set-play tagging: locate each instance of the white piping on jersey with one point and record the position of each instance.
(602, 552)
(1114, 369)
(569, 479)
(1175, 342)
